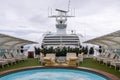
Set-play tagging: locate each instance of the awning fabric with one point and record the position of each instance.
(111, 40)
(9, 42)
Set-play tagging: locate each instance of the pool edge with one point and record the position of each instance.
(108, 75)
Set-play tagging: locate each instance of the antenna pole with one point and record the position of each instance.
(68, 5)
(74, 12)
(48, 11)
(51, 11)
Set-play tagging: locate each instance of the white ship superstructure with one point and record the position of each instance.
(61, 38)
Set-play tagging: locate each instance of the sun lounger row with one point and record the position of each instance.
(109, 59)
(11, 59)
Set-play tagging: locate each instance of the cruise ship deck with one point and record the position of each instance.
(23, 22)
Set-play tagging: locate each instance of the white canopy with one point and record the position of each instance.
(10, 42)
(111, 40)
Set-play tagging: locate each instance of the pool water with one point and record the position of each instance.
(53, 74)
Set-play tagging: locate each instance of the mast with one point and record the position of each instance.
(61, 19)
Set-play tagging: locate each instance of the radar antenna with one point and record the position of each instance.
(61, 19)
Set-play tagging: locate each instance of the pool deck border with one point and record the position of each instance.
(108, 75)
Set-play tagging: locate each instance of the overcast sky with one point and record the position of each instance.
(28, 19)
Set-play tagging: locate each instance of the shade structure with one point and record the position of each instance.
(111, 40)
(10, 42)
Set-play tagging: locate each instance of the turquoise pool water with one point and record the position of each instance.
(53, 74)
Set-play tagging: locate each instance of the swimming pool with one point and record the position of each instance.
(53, 74)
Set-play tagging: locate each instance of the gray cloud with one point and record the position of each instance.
(28, 18)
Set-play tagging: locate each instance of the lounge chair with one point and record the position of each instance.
(51, 55)
(3, 62)
(97, 55)
(72, 61)
(109, 59)
(9, 58)
(101, 58)
(24, 57)
(115, 63)
(49, 59)
(17, 57)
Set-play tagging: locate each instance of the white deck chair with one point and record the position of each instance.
(17, 57)
(109, 59)
(3, 62)
(101, 58)
(97, 55)
(9, 58)
(115, 63)
(24, 57)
